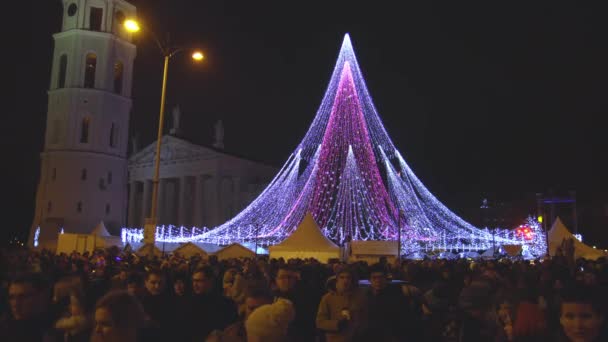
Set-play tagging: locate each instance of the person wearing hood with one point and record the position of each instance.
(342, 314)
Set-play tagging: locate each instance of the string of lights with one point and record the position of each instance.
(349, 175)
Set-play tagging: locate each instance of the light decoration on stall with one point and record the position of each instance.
(36, 236)
(532, 236)
(349, 175)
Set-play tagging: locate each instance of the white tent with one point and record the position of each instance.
(189, 249)
(371, 251)
(234, 250)
(469, 254)
(100, 230)
(98, 238)
(558, 233)
(490, 253)
(307, 241)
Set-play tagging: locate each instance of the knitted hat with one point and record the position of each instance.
(269, 322)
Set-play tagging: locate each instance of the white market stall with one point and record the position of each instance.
(558, 234)
(98, 238)
(234, 251)
(371, 251)
(307, 241)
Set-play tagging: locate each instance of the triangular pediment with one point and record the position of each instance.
(172, 149)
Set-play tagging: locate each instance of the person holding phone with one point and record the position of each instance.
(342, 313)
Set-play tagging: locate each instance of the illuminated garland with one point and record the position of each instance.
(348, 174)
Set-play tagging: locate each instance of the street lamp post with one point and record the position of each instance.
(168, 52)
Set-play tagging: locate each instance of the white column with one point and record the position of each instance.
(146, 200)
(161, 201)
(132, 194)
(197, 202)
(182, 201)
(212, 199)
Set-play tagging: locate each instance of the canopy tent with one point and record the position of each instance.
(469, 254)
(307, 241)
(447, 255)
(100, 230)
(98, 238)
(371, 251)
(558, 234)
(189, 249)
(234, 250)
(490, 253)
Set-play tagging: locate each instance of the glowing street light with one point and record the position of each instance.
(197, 56)
(168, 51)
(131, 25)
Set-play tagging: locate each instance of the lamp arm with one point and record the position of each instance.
(161, 46)
(172, 52)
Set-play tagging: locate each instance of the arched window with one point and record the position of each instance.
(84, 130)
(83, 174)
(54, 176)
(89, 71)
(109, 177)
(95, 18)
(79, 206)
(118, 71)
(49, 206)
(113, 135)
(107, 208)
(63, 65)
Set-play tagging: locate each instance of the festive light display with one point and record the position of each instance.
(349, 175)
(36, 236)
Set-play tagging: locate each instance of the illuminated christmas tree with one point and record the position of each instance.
(349, 175)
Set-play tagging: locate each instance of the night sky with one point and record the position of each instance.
(483, 100)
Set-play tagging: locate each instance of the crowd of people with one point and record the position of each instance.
(114, 295)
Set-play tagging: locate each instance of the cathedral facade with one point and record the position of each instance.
(199, 186)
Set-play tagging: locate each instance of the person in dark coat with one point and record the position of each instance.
(156, 305)
(209, 310)
(387, 307)
(118, 317)
(305, 302)
(179, 306)
(119, 281)
(30, 320)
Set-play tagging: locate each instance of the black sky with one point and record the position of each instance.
(483, 99)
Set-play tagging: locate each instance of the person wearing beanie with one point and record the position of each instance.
(343, 313)
(269, 322)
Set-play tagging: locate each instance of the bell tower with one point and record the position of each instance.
(83, 171)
